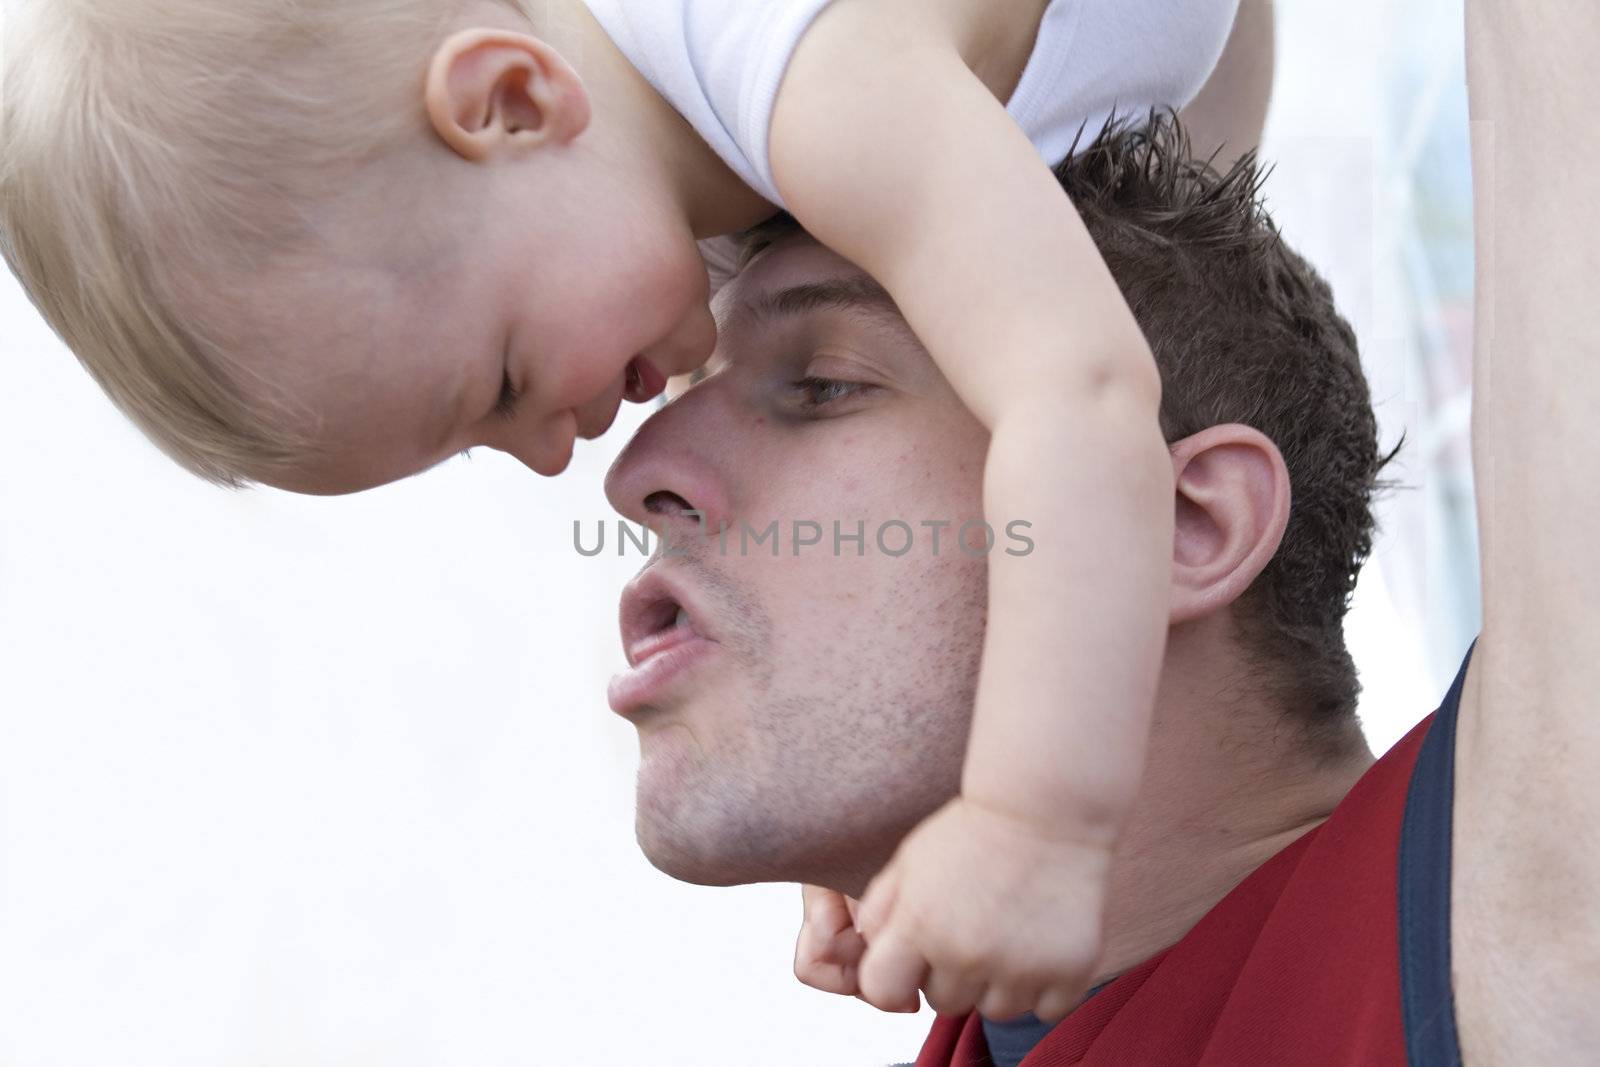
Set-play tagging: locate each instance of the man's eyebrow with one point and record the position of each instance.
(834, 294)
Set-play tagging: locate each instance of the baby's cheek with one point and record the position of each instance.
(589, 373)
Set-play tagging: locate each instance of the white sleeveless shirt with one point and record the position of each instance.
(720, 63)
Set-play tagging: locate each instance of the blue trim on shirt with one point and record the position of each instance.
(1010, 1041)
(1427, 1003)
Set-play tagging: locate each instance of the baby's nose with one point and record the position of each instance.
(689, 346)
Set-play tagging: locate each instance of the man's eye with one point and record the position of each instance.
(815, 393)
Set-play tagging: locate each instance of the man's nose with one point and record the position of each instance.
(674, 472)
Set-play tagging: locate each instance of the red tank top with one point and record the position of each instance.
(1335, 951)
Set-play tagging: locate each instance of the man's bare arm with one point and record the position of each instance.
(1526, 888)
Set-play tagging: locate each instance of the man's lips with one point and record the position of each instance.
(646, 684)
(661, 636)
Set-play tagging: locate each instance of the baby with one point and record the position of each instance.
(327, 244)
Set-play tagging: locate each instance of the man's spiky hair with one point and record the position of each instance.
(1147, 173)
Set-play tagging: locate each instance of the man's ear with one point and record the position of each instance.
(1233, 506)
(495, 93)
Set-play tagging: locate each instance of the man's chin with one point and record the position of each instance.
(691, 862)
(703, 849)
(738, 855)
(695, 871)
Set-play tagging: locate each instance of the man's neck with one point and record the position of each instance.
(651, 136)
(1230, 782)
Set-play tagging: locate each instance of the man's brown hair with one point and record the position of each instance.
(1244, 331)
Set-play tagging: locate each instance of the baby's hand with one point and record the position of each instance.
(829, 949)
(985, 911)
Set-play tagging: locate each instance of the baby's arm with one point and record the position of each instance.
(889, 149)
(1228, 114)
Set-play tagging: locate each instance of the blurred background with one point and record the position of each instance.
(304, 781)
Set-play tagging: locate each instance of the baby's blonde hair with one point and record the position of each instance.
(143, 141)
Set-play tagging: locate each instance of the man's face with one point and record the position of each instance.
(798, 715)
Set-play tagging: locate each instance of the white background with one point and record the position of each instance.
(301, 781)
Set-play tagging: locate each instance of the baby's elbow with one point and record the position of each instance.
(1119, 373)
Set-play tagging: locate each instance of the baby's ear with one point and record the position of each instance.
(493, 93)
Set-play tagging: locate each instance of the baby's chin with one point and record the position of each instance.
(599, 416)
